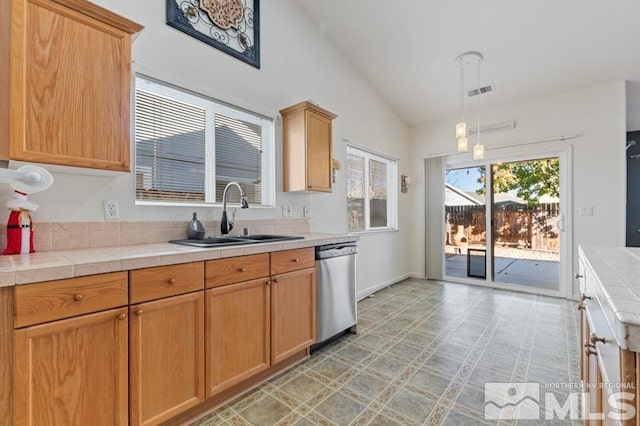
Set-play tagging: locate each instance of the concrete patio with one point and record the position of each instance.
(527, 272)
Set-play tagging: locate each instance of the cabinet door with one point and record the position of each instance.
(73, 371)
(293, 313)
(167, 357)
(70, 85)
(237, 333)
(318, 152)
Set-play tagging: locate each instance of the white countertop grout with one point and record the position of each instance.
(46, 266)
(618, 280)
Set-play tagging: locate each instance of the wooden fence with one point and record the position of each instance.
(520, 226)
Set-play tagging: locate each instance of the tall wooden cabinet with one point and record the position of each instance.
(307, 141)
(237, 333)
(237, 320)
(67, 68)
(166, 338)
(293, 302)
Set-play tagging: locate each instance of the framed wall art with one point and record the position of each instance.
(232, 26)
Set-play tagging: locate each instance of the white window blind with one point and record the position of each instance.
(371, 191)
(189, 147)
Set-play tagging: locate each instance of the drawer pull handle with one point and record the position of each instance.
(296, 260)
(122, 316)
(139, 312)
(275, 280)
(243, 269)
(78, 297)
(581, 306)
(595, 339)
(589, 351)
(172, 281)
(578, 276)
(584, 297)
(267, 282)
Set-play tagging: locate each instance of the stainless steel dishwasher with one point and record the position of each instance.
(336, 308)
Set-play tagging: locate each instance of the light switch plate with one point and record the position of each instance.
(585, 211)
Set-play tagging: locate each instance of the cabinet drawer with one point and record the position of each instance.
(236, 269)
(292, 260)
(164, 281)
(53, 300)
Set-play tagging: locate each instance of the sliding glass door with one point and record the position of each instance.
(503, 223)
(525, 217)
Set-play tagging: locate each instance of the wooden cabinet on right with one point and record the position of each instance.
(293, 313)
(237, 333)
(66, 68)
(166, 341)
(307, 133)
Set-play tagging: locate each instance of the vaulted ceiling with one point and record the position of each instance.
(406, 48)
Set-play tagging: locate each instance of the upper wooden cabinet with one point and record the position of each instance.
(67, 67)
(307, 148)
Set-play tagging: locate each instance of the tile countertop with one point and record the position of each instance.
(37, 267)
(618, 273)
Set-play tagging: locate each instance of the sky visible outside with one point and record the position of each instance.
(465, 179)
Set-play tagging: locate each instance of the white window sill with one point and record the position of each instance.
(202, 205)
(374, 231)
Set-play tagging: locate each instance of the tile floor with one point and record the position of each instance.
(422, 354)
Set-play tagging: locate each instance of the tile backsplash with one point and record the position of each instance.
(50, 236)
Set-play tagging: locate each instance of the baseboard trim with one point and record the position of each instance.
(364, 293)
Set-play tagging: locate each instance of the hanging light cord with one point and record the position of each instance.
(478, 96)
(461, 91)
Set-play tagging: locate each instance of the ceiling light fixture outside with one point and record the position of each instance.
(464, 61)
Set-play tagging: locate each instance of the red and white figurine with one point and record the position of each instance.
(24, 181)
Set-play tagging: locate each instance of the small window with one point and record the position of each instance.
(189, 147)
(371, 191)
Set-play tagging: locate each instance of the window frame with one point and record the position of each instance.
(392, 189)
(212, 107)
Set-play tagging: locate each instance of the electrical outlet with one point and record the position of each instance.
(111, 210)
(305, 211)
(284, 211)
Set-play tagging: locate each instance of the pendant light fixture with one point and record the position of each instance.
(478, 149)
(466, 61)
(461, 126)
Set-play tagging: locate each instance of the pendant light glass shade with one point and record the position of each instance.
(478, 152)
(461, 130)
(463, 144)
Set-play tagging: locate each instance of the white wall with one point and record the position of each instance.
(598, 113)
(633, 106)
(298, 63)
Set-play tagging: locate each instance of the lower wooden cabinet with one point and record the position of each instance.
(293, 313)
(167, 357)
(237, 333)
(72, 371)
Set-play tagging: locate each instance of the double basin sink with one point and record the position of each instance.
(234, 241)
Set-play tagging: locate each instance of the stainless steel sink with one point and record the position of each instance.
(233, 241)
(266, 238)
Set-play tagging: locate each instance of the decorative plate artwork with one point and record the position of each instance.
(229, 25)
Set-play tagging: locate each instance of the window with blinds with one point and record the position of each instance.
(188, 148)
(371, 191)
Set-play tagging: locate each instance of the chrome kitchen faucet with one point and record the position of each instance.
(227, 225)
